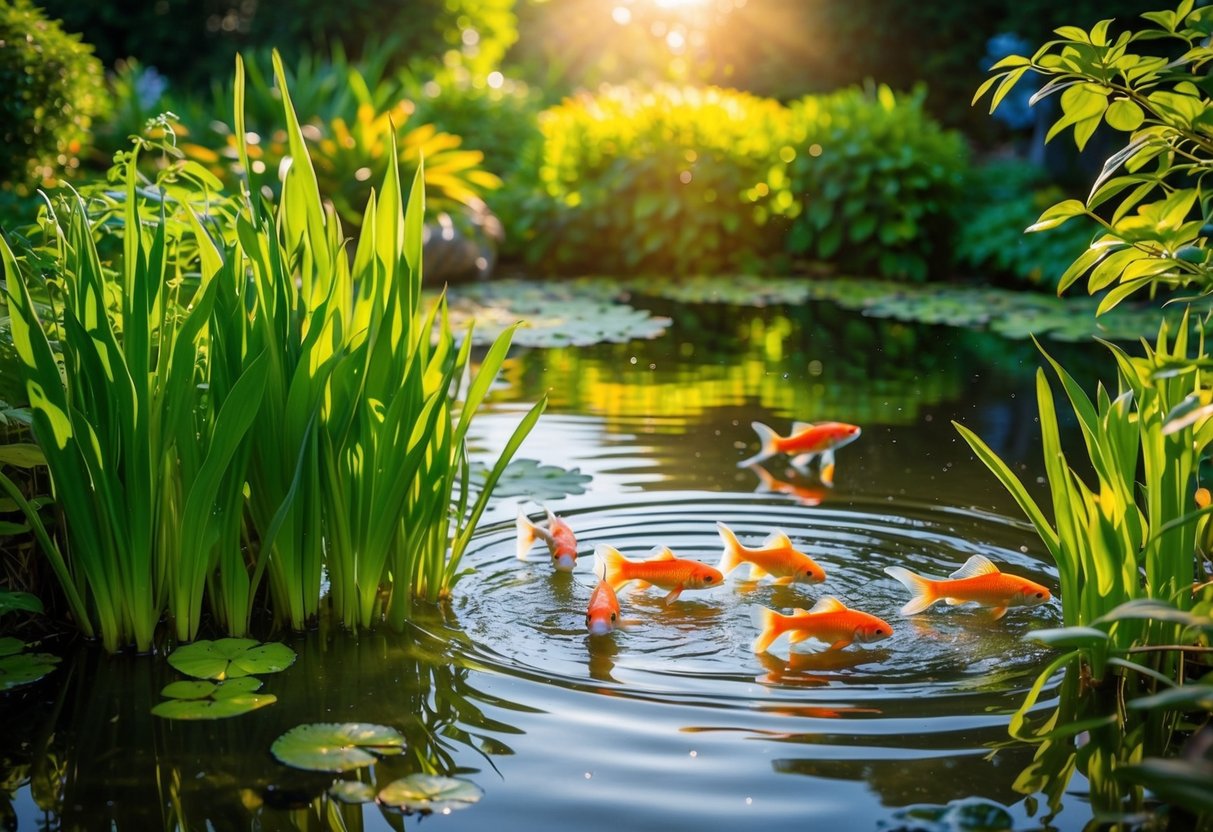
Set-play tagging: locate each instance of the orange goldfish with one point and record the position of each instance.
(978, 582)
(558, 536)
(803, 494)
(662, 570)
(603, 614)
(805, 443)
(829, 620)
(776, 557)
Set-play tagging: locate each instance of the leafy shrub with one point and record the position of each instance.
(351, 111)
(53, 90)
(668, 179)
(1001, 200)
(498, 116)
(877, 178)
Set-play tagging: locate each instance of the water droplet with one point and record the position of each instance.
(694, 753)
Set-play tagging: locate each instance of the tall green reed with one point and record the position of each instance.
(257, 407)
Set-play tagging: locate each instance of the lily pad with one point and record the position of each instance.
(527, 478)
(352, 791)
(19, 668)
(230, 658)
(554, 314)
(212, 700)
(426, 793)
(336, 746)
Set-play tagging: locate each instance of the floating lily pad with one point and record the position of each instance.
(333, 746)
(967, 815)
(426, 793)
(230, 658)
(352, 791)
(527, 478)
(556, 314)
(212, 700)
(19, 668)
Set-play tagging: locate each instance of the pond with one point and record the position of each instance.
(673, 722)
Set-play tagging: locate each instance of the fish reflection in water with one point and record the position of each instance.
(801, 491)
(815, 669)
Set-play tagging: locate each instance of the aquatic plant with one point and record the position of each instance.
(248, 362)
(336, 746)
(1128, 550)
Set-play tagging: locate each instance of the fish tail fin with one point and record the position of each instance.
(767, 437)
(526, 534)
(768, 622)
(731, 558)
(608, 565)
(766, 482)
(922, 590)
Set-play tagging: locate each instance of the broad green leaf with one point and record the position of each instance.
(332, 746)
(1057, 214)
(22, 455)
(1180, 781)
(11, 601)
(230, 658)
(218, 708)
(17, 669)
(1125, 115)
(352, 791)
(1070, 637)
(426, 793)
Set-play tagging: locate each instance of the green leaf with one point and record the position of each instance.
(1057, 214)
(333, 746)
(1183, 782)
(426, 793)
(17, 669)
(228, 706)
(1184, 697)
(1125, 115)
(22, 455)
(527, 478)
(352, 791)
(230, 658)
(1070, 637)
(11, 601)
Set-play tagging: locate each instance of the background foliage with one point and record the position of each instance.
(53, 89)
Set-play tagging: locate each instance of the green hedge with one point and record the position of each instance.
(680, 180)
(665, 179)
(877, 179)
(53, 89)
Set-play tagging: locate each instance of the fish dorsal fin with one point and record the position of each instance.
(778, 539)
(828, 604)
(662, 553)
(974, 566)
(797, 427)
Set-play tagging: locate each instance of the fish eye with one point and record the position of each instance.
(1040, 595)
(709, 579)
(612, 616)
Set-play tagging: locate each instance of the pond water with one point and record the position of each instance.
(674, 722)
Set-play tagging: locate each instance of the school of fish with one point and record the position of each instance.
(829, 621)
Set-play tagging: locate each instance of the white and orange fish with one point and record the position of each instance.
(805, 443)
(558, 536)
(662, 570)
(602, 616)
(776, 557)
(829, 621)
(977, 582)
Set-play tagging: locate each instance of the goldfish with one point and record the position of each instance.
(978, 582)
(805, 443)
(558, 536)
(805, 495)
(829, 620)
(662, 570)
(603, 614)
(776, 557)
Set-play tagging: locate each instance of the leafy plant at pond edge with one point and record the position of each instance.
(210, 700)
(336, 746)
(1128, 555)
(20, 668)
